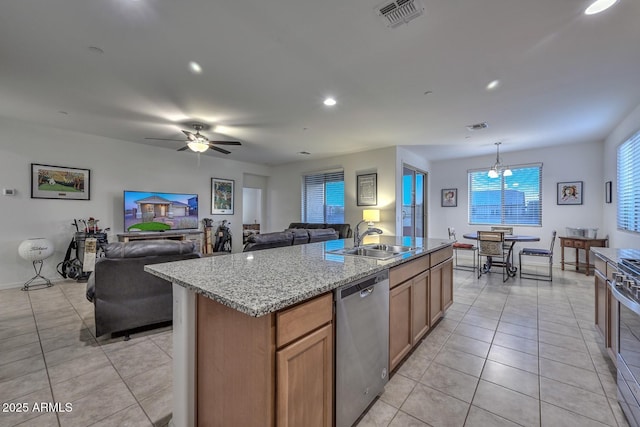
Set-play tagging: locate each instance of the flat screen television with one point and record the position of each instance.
(151, 211)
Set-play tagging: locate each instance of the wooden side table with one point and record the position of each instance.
(584, 243)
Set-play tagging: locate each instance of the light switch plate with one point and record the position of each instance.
(8, 192)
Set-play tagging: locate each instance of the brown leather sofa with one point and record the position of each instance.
(125, 297)
(296, 236)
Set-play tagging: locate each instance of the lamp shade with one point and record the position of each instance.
(198, 146)
(35, 249)
(371, 215)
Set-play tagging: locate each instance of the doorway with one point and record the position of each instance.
(414, 187)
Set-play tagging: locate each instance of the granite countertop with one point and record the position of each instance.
(614, 255)
(262, 282)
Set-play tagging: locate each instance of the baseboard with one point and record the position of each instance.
(4, 286)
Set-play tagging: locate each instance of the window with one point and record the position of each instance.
(629, 184)
(511, 200)
(323, 198)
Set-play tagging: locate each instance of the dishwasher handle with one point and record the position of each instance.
(364, 287)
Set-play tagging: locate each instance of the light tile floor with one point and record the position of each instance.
(522, 352)
(49, 353)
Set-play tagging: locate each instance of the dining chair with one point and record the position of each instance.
(467, 247)
(536, 252)
(491, 246)
(508, 231)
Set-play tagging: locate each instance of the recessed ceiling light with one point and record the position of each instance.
(304, 153)
(493, 85)
(330, 102)
(63, 113)
(96, 49)
(599, 6)
(195, 67)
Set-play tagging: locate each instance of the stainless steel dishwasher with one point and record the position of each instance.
(362, 345)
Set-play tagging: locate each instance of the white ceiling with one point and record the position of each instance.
(268, 65)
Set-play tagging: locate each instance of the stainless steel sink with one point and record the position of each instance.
(374, 251)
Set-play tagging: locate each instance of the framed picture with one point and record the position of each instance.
(60, 182)
(607, 192)
(221, 196)
(449, 197)
(367, 189)
(570, 193)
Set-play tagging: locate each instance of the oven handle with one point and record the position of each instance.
(623, 299)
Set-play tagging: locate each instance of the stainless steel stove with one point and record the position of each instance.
(626, 290)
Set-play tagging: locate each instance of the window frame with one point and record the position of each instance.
(628, 180)
(321, 177)
(504, 208)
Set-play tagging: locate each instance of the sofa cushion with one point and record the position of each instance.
(300, 235)
(322, 235)
(343, 230)
(269, 240)
(143, 248)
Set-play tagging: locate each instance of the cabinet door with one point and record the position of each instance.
(601, 303)
(420, 306)
(612, 327)
(304, 390)
(435, 294)
(400, 336)
(447, 284)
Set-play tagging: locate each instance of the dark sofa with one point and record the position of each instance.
(125, 297)
(295, 236)
(344, 230)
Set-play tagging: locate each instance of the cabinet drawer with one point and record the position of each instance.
(407, 270)
(442, 255)
(301, 319)
(567, 243)
(578, 244)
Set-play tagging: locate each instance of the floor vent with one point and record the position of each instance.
(399, 12)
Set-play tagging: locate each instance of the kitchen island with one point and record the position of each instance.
(253, 331)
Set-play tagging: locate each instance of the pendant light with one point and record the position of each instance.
(497, 168)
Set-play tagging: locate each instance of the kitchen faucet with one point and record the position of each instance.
(357, 237)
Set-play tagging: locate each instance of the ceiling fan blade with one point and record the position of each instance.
(225, 142)
(182, 149)
(190, 135)
(221, 150)
(165, 139)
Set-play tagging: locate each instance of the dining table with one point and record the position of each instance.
(511, 238)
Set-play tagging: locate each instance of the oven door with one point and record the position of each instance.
(628, 356)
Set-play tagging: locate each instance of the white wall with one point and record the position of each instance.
(115, 166)
(576, 162)
(285, 187)
(251, 206)
(627, 128)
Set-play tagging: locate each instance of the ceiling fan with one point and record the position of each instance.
(200, 143)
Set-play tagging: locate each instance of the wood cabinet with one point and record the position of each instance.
(606, 311)
(421, 290)
(400, 333)
(264, 371)
(304, 395)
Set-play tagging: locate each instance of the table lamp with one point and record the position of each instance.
(36, 251)
(371, 216)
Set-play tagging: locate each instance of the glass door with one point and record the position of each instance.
(413, 202)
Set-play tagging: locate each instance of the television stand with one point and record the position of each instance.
(195, 235)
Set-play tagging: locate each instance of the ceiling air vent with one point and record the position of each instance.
(400, 11)
(478, 126)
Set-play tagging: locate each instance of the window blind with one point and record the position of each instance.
(323, 197)
(510, 200)
(628, 186)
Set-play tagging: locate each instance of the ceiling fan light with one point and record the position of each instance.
(198, 146)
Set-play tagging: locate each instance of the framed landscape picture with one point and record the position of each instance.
(221, 196)
(570, 193)
(59, 182)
